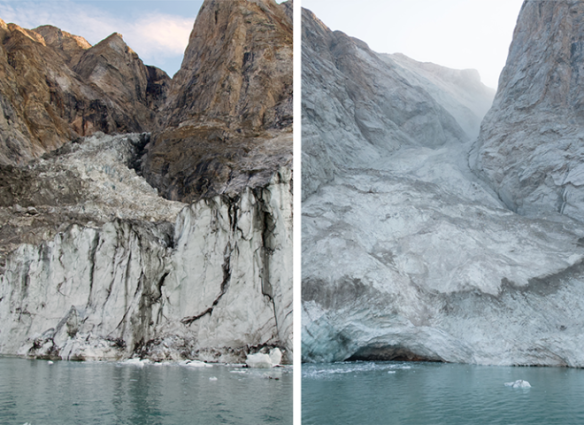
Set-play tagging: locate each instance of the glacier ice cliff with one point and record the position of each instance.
(408, 251)
(207, 280)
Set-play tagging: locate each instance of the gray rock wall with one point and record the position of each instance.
(530, 146)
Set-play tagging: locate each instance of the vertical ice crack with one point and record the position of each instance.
(268, 227)
(226, 266)
(92, 259)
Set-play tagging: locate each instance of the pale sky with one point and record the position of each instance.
(458, 34)
(157, 30)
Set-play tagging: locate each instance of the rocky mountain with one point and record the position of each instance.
(57, 88)
(359, 105)
(530, 149)
(407, 253)
(99, 258)
(229, 125)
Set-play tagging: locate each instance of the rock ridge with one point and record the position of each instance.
(361, 104)
(227, 126)
(59, 88)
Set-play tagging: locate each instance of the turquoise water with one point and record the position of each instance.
(35, 392)
(435, 393)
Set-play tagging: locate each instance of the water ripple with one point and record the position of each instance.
(104, 393)
(433, 393)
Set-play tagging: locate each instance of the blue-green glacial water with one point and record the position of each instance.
(368, 393)
(39, 393)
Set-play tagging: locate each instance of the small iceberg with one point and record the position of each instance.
(275, 356)
(49, 362)
(258, 360)
(265, 361)
(520, 383)
(212, 378)
(136, 362)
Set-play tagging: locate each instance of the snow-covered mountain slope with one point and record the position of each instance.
(358, 105)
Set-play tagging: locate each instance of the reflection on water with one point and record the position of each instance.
(36, 392)
(434, 393)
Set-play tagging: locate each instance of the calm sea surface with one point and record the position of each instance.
(35, 392)
(434, 393)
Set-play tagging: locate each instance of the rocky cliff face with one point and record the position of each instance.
(359, 105)
(95, 263)
(530, 149)
(58, 88)
(409, 255)
(229, 125)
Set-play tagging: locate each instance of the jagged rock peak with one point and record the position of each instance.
(62, 39)
(70, 46)
(529, 148)
(17, 31)
(237, 66)
(116, 42)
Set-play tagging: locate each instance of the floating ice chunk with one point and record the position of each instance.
(49, 362)
(196, 363)
(275, 356)
(261, 360)
(520, 383)
(212, 378)
(258, 360)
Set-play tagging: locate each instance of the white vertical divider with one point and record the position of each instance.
(297, 210)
